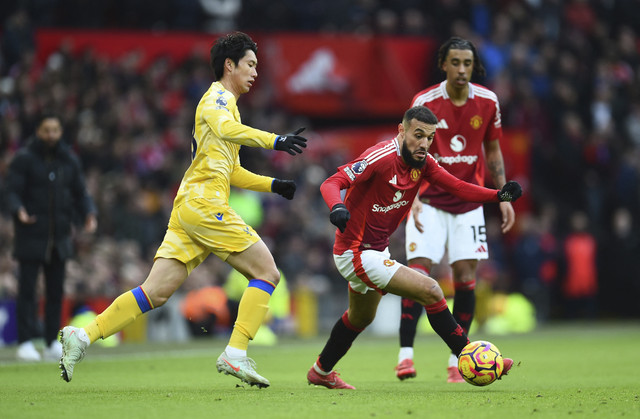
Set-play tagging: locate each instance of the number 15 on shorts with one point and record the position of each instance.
(479, 234)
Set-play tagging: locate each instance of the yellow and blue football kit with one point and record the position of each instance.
(202, 222)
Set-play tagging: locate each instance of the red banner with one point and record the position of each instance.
(116, 45)
(347, 75)
(337, 76)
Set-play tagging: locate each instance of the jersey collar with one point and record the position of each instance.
(445, 95)
(397, 145)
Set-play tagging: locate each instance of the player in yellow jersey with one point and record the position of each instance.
(202, 222)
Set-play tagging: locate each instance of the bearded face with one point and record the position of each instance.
(409, 158)
(49, 132)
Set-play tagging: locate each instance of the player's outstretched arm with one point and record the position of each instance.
(291, 143)
(469, 192)
(510, 192)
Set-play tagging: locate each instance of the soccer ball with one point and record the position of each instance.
(480, 363)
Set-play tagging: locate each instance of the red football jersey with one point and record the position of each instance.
(460, 133)
(380, 188)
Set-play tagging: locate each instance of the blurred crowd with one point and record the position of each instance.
(566, 72)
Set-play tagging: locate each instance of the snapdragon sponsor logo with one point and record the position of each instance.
(458, 143)
(397, 203)
(385, 209)
(456, 159)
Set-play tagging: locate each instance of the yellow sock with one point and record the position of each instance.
(93, 330)
(251, 311)
(122, 311)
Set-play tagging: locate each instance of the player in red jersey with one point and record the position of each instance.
(469, 119)
(380, 187)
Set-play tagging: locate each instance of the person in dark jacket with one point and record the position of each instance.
(46, 195)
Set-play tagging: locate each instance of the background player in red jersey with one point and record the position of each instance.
(469, 119)
(380, 187)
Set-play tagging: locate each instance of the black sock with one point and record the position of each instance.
(445, 326)
(464, 304)
(342, 336)
(411, 312)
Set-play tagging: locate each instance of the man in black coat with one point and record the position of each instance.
(46, 194)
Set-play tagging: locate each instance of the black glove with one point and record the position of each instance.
(290, 142)
(285, 188)
(339, 216)
(510, 192)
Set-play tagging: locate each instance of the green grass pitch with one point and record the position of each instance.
(568, 370)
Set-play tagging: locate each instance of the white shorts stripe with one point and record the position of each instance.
(367, 266)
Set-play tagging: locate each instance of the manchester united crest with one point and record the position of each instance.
(476, 122)
(415, 175)
(412, 246)
(389, 262)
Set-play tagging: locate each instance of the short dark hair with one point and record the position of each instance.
(462, 44)
(233, 46)
(422, 114)
(47, 115)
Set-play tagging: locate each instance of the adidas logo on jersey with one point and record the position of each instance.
(481, 249)
(442, 124)
(394, 180)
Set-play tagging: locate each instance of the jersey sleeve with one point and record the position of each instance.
(495, 130)
(357, 170)
(416, 101)
(225, 127)
(243, 178)
(330, 188)
(463, 190)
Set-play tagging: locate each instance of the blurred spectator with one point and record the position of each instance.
(46, 195)
(534, 261)
(221, 14)
(414, 22)
(17, 38)
(620, 264)
(580, 279)
(206, 310)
